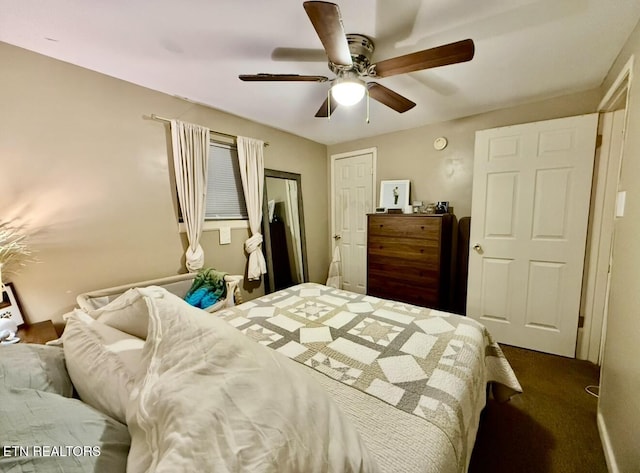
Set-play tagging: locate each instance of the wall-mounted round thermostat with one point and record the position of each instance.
(440, 143)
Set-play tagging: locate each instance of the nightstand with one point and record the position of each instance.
(40, 332)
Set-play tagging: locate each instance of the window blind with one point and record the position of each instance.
(225, 198)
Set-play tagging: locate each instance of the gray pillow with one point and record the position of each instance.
(41, 367)
(49, 433)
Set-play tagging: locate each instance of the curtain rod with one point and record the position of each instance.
(168, 120)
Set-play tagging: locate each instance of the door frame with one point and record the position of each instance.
(591, 336)
(332, 202)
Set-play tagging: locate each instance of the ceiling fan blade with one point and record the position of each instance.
(327, 22)
(323, 111)
(281, 78)
(444, 55)
(389, 98)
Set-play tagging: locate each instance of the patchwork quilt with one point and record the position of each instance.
(431, 364)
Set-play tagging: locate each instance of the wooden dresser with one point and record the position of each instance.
(409, 258)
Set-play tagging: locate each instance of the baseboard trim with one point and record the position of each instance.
(609, 456)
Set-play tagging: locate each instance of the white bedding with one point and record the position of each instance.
(209, 399)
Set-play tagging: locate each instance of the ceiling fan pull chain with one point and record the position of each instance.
(329, 104)
(367, 91)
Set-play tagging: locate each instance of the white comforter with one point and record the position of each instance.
(209, 399)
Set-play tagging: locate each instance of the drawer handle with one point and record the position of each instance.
(421, 250)
(422, 227)
(381, 246)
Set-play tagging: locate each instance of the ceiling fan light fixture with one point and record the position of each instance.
(348, 91)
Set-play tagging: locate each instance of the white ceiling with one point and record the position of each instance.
(526, 50)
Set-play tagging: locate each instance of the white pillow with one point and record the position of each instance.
(102, 363)
(127, 313)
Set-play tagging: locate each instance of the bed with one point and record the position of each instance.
(309, 378)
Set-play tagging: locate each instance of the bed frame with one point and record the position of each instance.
(178, 285)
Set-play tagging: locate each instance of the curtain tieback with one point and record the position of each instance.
(257, 265)
(195, 258)
(253, 243)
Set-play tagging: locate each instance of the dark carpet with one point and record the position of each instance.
(550, 427)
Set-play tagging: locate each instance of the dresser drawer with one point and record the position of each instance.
(392, 263)
(403, 275)
(405, 248)
(403, 292)
(391, 226)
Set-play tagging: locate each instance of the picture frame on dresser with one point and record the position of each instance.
(395, 194)
(10, 305)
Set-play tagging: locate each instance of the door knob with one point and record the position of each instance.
(477, 247)
(336, 237)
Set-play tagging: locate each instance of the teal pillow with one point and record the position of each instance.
(41, 367)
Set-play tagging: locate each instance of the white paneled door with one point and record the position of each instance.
(530, 208)
(353, 194)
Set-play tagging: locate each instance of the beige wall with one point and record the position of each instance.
(447, 174)
(619, 403)
(90, 179)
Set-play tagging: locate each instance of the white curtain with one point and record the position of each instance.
(190, 160)
(251, 158)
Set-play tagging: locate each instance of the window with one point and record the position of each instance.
(225, 198)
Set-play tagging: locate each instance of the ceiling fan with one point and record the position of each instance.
(350, 60)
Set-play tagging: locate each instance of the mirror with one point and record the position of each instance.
(283, 230)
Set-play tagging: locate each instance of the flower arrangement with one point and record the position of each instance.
(13, 248)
